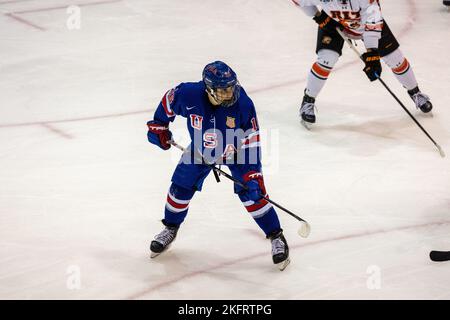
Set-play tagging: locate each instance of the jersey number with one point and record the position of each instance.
(254, 124)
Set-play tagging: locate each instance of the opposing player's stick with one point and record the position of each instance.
(440, 255)
(304, 229)
(441, 152)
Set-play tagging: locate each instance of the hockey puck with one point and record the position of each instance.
(440, 255)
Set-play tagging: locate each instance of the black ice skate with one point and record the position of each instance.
(163, 240)
(421, 100)
(307, 111)
(280, 249)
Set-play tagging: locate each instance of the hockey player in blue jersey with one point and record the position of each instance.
(223, 127)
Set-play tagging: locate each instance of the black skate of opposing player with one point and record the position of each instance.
(421, 100)
(307, 111)
(280, 249)
(163, 240)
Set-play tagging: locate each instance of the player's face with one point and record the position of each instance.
(225, 94)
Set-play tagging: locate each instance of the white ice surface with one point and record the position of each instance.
(81, 186)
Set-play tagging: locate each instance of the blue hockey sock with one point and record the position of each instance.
(263, 213)
(177, 204)
(269, 222)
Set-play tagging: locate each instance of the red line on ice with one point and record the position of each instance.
(114, 115)
(189, 275)
(13, 1)
(15, 14)
(24, 21)
(65, 6)
(57, 131)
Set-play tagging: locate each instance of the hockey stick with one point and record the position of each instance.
(304, 229)
(441, 152)
(440, 255)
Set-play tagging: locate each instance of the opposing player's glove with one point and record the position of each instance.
(159, 134)
(255, 183)
(373, 66)
(325, 22)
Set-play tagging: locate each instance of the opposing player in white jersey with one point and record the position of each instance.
(359, 20)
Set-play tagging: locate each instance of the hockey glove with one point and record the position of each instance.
(255, 183)
(373, 66)
(159, 134)
(325, 22)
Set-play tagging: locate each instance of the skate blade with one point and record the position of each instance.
(427, 115)
(155, 254)
(282, 265)
(308, 126)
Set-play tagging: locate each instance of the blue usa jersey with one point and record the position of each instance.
(228, 135)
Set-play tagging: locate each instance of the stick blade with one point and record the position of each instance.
(440, 255)
(441, 152)
(304, 230)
